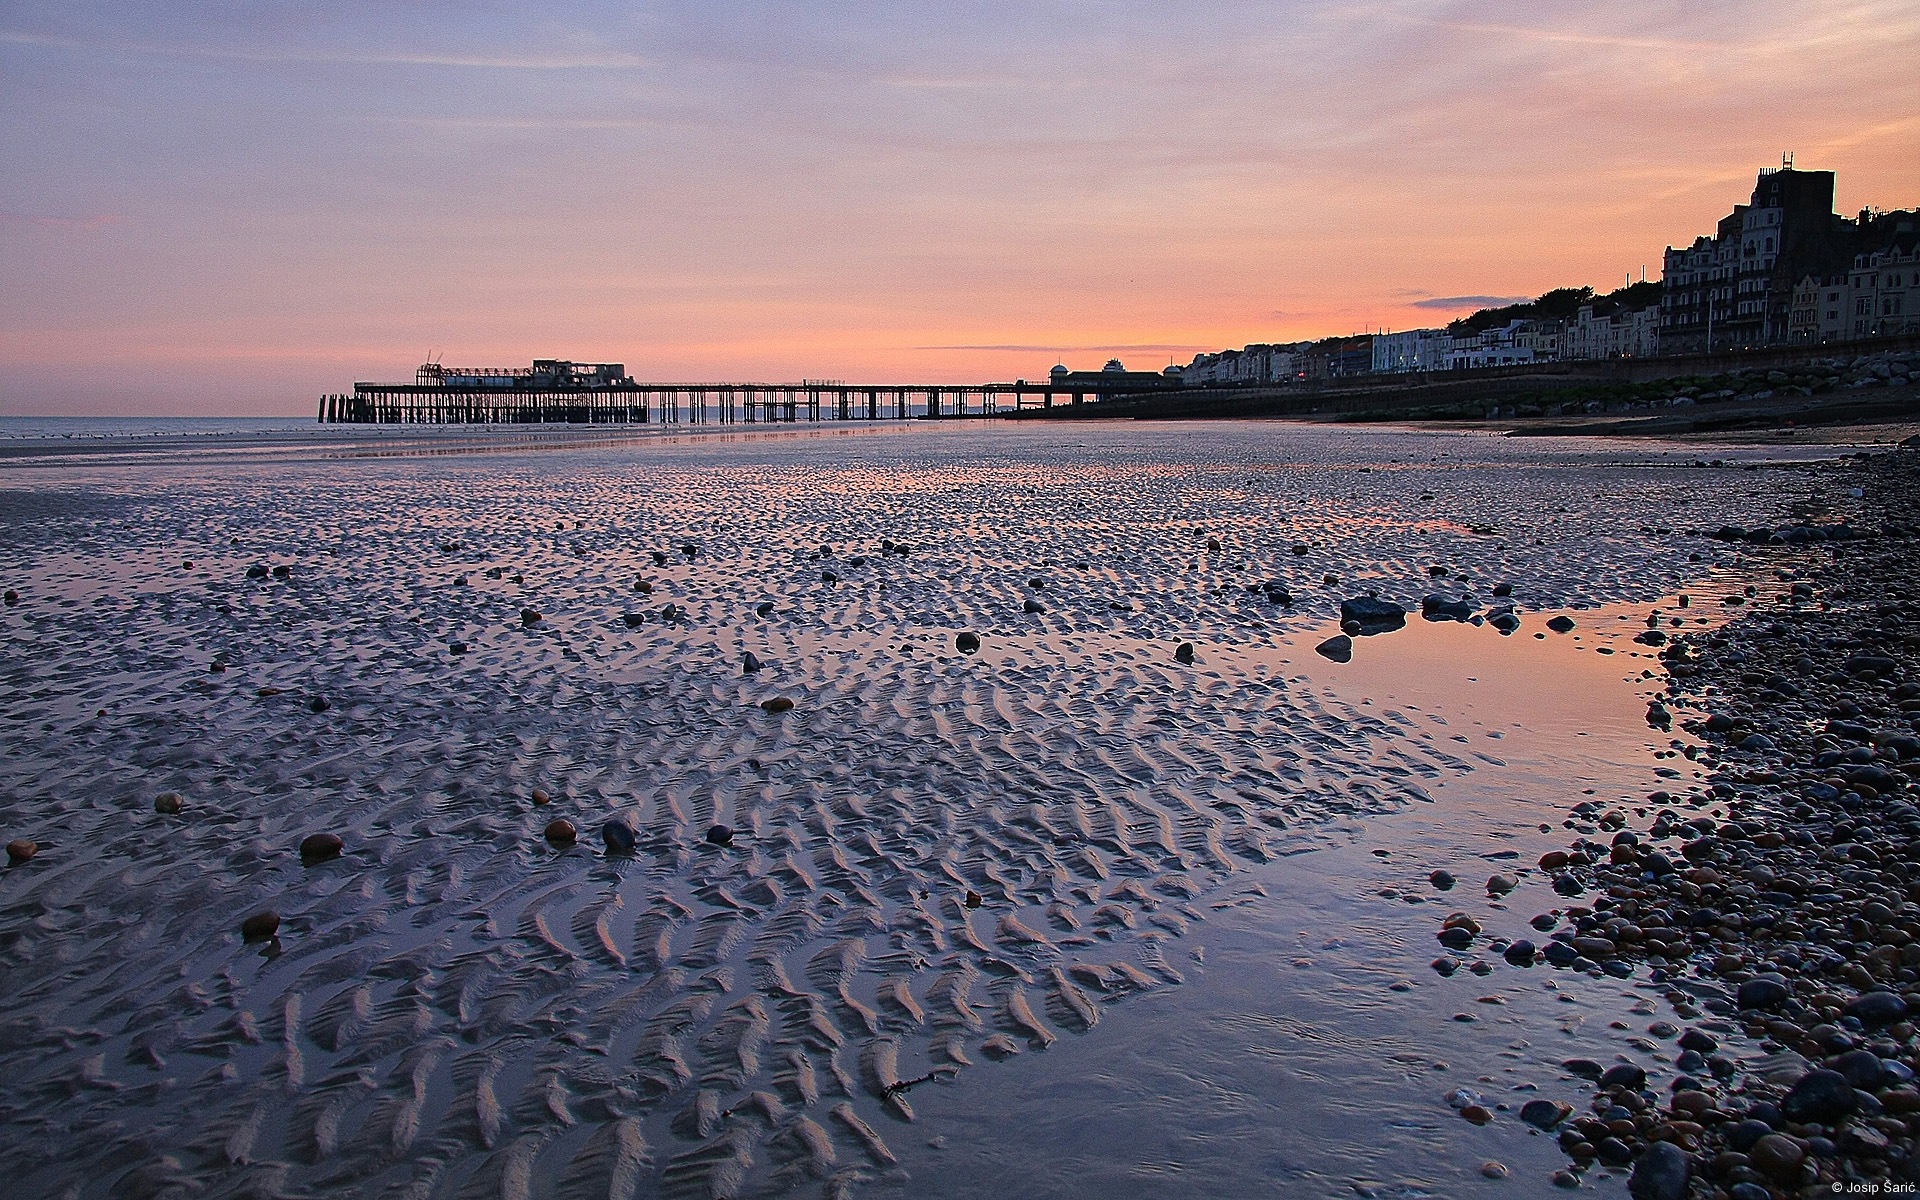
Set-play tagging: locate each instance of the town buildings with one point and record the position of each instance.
(1784, 267)
(1781, 268)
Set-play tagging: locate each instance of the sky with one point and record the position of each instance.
(227, 207)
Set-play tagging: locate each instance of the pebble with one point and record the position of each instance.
(1033, 606)
(19, 850)
(168, 803)
(1443, 880)
(618, 836)
(1501, 884)
(1819, 1095)
(530, 617)
(749, 662)
(1493, 1170)
(260, 926)
(719, 835)
(1183, 654)
(1777, 1155)
(540, 797)
(1561, 624)
(1545, 1114)
(967, 643)
(776, 704)
(1661, 1173)
(319, 847)
(764, 608)
(561, 832)
(318, 704)
(1339, 649)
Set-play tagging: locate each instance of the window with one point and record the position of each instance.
(1863, 307)
(1769, 245)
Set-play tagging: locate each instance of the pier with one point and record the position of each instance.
(555, 391)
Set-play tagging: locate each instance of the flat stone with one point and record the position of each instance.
(19, 850)
(260, 926)
(560, 832)
(168, 803)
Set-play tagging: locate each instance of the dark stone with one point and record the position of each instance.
(260, 926)
(1568, 884)
(1862, 1068)
(530, 617)
(19, 850)
(1374, 614)
(967, 643)
(618, 836)
(168, 803)
(634, 619)
(1439, 608)
(777, 704)
(764, 608)
(1455, 937)
(719, 835)
(1520, 953)
(1338, 649)
(1764, 992)
(1877, 1008)
(1585, 1068)
(1443, 880)
(1561, 624)
(561, 832)
(1033, 606)
(659, 558)
(1183, 654)
(1505, 622)
(1661, 1173)
(1503, 589)
(319, 704)
(1742, 1136)
(1700, 1040)
(1624, 1075)
(256, 571)
(319, 847)
(1869, 665)
(1820, 1096)
(1545, 1114)
(749, 662)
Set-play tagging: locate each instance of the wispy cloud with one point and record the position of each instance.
(1144, 347)
(46, 221)
(505, 61)
(1445, 303)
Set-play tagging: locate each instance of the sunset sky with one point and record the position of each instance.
(232, 207)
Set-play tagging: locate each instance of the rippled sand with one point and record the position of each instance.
(942, 859)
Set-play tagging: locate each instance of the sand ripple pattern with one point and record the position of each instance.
(456, 1008)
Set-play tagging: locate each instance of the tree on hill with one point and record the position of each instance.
(1560, 304)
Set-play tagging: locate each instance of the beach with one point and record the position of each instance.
(845, 906)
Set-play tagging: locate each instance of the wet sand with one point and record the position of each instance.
(1005, 875)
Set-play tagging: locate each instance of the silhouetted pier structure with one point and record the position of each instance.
(562, 392)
